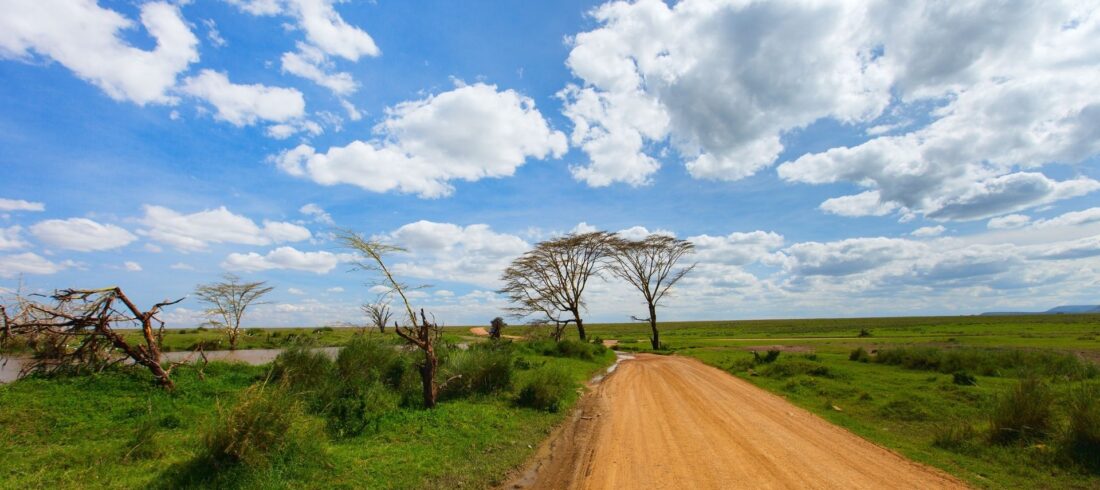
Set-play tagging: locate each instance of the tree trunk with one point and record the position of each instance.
(580, 327)
(655, 339)
(427, 377)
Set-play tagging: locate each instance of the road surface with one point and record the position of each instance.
(664, 422)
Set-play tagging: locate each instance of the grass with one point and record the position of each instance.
(96, 431)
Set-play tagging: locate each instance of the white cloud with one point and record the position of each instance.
(295, 291)
(131, 266)
(191, 232)
(1074, 218)
(469, 133)
(212, 33)
(87, 39)
(180, 266)
(862, 204)
(310, 63)
(928, 231)
(29, 263)
(1008, 222)
(336, 289)
(317, 213)
(10, 238)
(473, 254)
(285, 258)
(243, 105)
(737, 248)
(81, 234)
(20, 205)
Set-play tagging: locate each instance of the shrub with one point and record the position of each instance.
(356, 408)
(202, 329)
(483, 369)
(567, 348)
(953, 436)
(1082, 437)
(988, 362)
(306, 373)
(860, 355)
(1024, 413)
(963, 378)
(768, 358)
(864, 333)
(904, 409)
(252, 332)
(546, 389)
(794, 367)
(265, 426)
(322, 329)
(367, 360)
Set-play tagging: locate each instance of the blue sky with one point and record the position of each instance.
(834, 159)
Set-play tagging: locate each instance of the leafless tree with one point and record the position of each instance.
(417, 331)
(650, 265)
(227, 301)
(78, 330)
(550, 279)
(378, 313)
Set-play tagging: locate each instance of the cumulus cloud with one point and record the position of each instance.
(310, 63)
(928, 231)
(88, 40)
(1008, 222)
(29, 263)
(473, 254)
(469, 133)
(723, 83)
(10, 238)
(192, 232)
(285, 258)
(1073, 218)
(317, 213)
(81, 234)
(244, 104)
(131, 266)
(20, 205)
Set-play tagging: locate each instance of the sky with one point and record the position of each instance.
(827, 159)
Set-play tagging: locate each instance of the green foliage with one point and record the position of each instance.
(794, 366)
(859, 355)
(264, 427)
(954, 436)
(305, 372)
(1082, 436)
(905, 409)
(567, 348)
(864, 333)
(1024, 413)
(768, 358)
(987, 362)
(546, 389)
(963, 378)
(480, 370)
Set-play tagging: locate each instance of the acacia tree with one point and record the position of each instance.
(378, 313)
(649, 265)
(550, 279)
(227, 301)
(77, 331)
(496, 327)
(418, 332)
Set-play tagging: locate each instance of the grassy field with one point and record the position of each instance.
(919, 410)
(117, 430)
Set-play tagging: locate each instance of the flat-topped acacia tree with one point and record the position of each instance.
(550, 279)
(650, 265)
(227, 301)
(417, 331)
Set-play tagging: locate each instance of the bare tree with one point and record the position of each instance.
(78, 330)
(418, 331)
(649, 265)
(227, 301)
(378, 313)
(550, 279)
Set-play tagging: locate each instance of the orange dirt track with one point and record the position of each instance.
(664, 422)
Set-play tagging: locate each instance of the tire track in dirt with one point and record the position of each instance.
(674, 422)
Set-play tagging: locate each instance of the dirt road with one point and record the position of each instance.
(673, 422)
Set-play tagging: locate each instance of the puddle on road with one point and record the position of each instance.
(619, 357)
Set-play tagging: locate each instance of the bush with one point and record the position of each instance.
(904, 409)
(322, 329)
(483, 369)
(546, 389)
(860, 355)
(864, 333)
(367, 360)
(988, 362)
(567, 348)
(794, 367)
(953, 436)
(264, 427)
(963, 378)
(1082, 437)
(1024, 413)
(303, 370)
(356, 408)
(768, 358)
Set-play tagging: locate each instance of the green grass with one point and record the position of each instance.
(81, 432)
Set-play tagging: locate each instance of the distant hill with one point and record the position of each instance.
(1057, 310)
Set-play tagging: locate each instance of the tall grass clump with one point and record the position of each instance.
(1082, 436)
(567, 348)
(988, 362)
(1023, 413)
(480, 370)
(547, 388)
(305, 373)
(266, 426)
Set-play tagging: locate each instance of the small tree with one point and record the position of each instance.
(418, 331)
(496, 327)
(649, 265)
(227, 301)
(550, 279)
(378, 313)
(77, 331)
